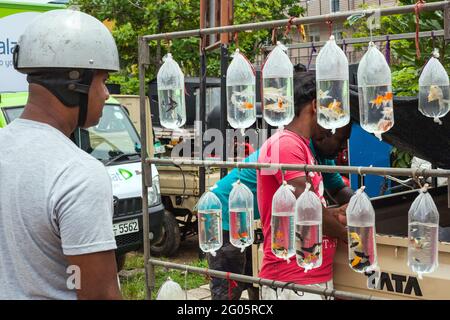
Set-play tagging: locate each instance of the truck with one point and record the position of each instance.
(115, 142)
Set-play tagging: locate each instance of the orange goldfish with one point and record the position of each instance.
(388, 96)
(247, 105)
(244, 235)
(335, 106)
(377, 101)
(279, 235)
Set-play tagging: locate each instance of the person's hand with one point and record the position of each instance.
(340, 214)
(334, 222)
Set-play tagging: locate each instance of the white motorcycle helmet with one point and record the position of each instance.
(61, 49)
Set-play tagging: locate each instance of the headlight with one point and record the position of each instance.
(154, 193)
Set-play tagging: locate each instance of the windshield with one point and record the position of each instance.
(113, 136)
(12, 114)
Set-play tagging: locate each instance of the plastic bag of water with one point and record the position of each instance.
(240, 206)
(362, 250)
(170, 290)
(333, 104)
(278, 88)
(376, 109)
(283, 221)
(241, 95)
(423, 226)
(172, 106)
(434, 89)
(308, 230)
(209, 223)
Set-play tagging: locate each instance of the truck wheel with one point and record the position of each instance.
(120, 261)
(169, 241)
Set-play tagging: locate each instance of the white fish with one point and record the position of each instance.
(437, 94)
(324, 95)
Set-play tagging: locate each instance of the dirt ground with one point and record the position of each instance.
(188, 251)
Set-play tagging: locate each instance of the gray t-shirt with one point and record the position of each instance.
(55, 200)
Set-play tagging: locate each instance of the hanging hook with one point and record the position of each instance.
(236, 39)
(361, 176)
(282, 176)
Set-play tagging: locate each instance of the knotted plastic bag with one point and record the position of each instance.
(240, 206)
(209, 222)
(434, 89)
(172, 106)
(278, 91)
(170, 290)
(423, 226)
(241, 93)
(376, 109)
(308, 230)
(283, 221)
(333, 104)
(362, 250)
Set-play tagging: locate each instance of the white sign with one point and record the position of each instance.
(11, 27)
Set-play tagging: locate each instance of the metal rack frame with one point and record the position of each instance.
(144, 61)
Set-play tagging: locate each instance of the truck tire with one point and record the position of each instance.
(120, 261)
(168, 243)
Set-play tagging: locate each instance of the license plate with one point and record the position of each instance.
(125, 227)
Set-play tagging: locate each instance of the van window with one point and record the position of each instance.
(114, 135)
(12, 114)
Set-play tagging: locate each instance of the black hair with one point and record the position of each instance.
(304, 89)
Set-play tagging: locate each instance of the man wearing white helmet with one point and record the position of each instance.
(56, 236)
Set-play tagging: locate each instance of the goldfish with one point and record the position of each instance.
(388, 112)
(437, 94)
(279, 235)
(240, 99)
(274, 99)
(382, 100)
(335, 106)
(237, 235)
(246, 105)
(384, 125)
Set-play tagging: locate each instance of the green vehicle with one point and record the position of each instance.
(115, 142)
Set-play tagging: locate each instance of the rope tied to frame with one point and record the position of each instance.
(433, 40)
(274, 36)
(417, 8)
(288, 27)
(330, 27)
(388, 50)
(231, 285)
(236, 39)
(313, 50)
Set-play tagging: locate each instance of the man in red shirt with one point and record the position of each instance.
(291, 145)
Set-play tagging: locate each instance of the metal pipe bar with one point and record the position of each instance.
(419, 172)
(433, 6)
(263, 282)
(143, 62)
(401, 36)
